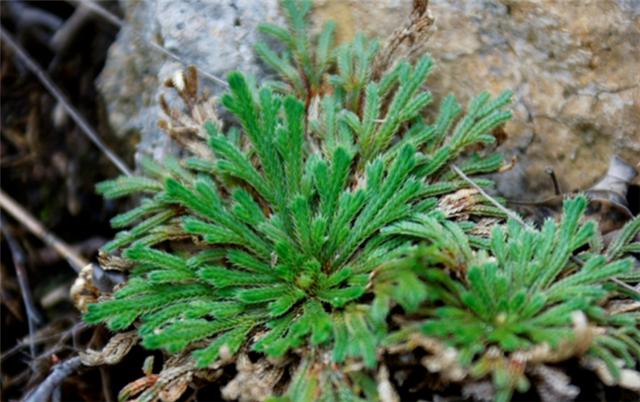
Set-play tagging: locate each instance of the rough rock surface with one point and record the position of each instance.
(574, 67)
(216, 36)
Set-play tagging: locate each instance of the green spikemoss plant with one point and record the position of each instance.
(519, 295)
(327, 176)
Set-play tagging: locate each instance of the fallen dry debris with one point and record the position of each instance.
(482, 391)
(623, 306)
(96, 280)
(114, 351)
(177, 375)
(583, 336)
(186, 127)
(59, 373)
(254, 381)
(173, 382)
(455, 204)
(167, 386)
(83, 292)
(484, 227)
(137, 386)
(386, 391)
(629, 379)
(442, 359)
(553, 384)
(408, 41)
(113, 262)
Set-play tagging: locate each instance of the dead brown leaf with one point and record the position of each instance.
(116, 349)
(407, 42)
(254, 381)
(186, 126)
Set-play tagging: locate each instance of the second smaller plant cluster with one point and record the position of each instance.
(526, 298)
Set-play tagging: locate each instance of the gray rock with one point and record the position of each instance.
(216, 36)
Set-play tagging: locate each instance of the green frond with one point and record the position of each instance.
(228, 343)
(127, 185)
(623, 242)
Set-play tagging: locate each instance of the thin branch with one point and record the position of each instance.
(56, 396)
(492, 200)
(106, 384)
(407, 41)
(59, 373)
(625, 286)
(31, 21)
(112, 18)
(38, 339)
(552, 174)
(59, 95)
(35, 227)
(63, 37)
(18, 257)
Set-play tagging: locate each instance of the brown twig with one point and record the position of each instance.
(106, 384)
(626, 286)
(109, 16)
(38, 339)
(19, 260)
(554, 179)
(63, 37)
(407, 41)
(35, 227)
(31, 22)
(48, 256)
(60, 372)
(57, 93)
(489, 198)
